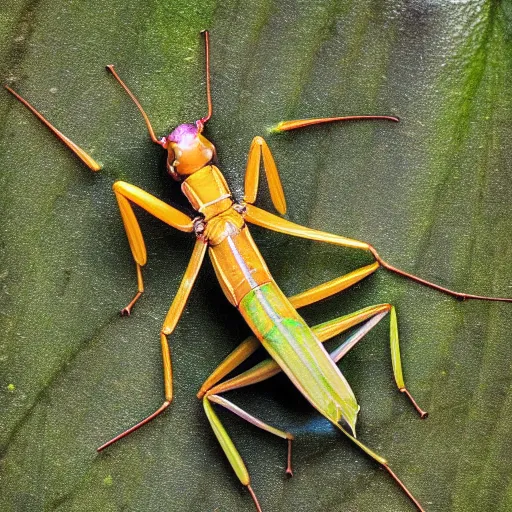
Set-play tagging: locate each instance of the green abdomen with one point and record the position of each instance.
(293, 345)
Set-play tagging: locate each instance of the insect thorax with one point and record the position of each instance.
(207, 192)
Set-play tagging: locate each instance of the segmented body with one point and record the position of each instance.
(249, 286)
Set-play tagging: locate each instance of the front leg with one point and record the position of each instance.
(258, 149)
(125, 194)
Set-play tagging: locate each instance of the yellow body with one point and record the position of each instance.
(209, 194)
(248, 285)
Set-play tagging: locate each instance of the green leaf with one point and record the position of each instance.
(433, 194)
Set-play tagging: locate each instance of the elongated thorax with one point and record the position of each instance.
(237, 262)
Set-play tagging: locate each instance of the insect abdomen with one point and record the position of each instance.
(292, 344)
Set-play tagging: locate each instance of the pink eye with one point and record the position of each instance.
(183, 133)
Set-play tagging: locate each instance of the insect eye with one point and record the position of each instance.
(171, 170)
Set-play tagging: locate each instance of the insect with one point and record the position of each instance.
(221, 228)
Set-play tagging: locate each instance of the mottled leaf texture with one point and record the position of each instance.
(433, 194)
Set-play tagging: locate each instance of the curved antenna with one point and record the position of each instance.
(205, 119)
(154, 138)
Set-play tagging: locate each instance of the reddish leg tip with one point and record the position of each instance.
(423, 414)
(254, 498)
(289, 471)
(103, 446)
(126, 311)
(404, 488)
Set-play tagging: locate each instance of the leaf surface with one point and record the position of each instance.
(433, 194)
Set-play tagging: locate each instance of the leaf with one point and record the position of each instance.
(433, 194)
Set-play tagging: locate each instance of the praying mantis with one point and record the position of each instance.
(221, 228)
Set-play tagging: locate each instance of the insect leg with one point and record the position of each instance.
(285, 126)
(227, 444)
(329, 288)
(170, 322)
(124, 194)
(252, 175)
(79, 152)
(238, 464)
(380, 312)
(256, 422)
(384, 463)
(234, 359)
(371, 315)
(230, 450)
(267, 220)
